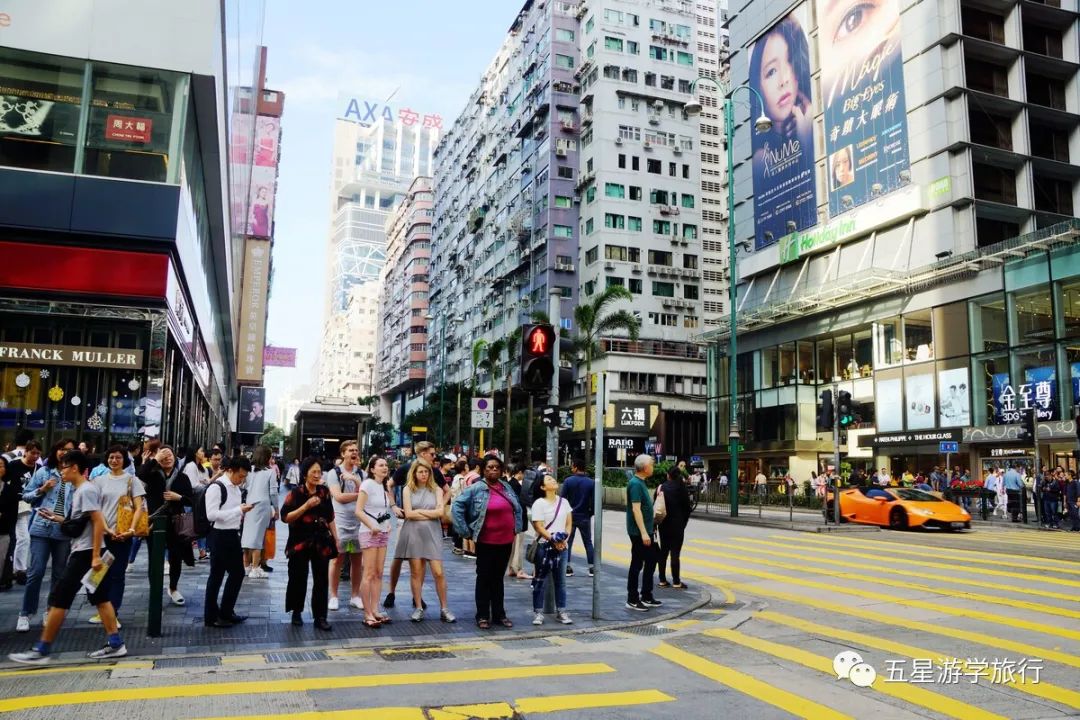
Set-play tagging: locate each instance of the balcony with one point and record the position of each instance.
(657, 348)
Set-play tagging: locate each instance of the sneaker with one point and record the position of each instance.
(96, 620)
(417, 614)
(651, 602)
(447, 616)
(564, 617)
(129, 569)
(176, 597)
(569, 571)
(22, 625)
(592, 571)
(30, 657)
(166, 567)
(333, 604)
(538, 618)
(357, 603)
(266, 568)
(389, 601)
(108, 652)
(638, 605)
(256, 574)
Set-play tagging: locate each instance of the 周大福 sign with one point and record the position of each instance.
(74, 355)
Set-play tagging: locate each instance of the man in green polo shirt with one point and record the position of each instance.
(640, 528)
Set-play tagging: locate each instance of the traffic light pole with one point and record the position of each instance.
(836, 452)
(554, 314)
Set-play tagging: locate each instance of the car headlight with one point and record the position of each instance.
(920, 511)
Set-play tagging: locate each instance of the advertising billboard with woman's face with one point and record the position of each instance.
(862, 86)
(785, 194)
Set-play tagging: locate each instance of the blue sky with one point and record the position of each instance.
(434, 50)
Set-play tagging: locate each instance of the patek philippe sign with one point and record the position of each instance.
(74, 355)
(930, 437)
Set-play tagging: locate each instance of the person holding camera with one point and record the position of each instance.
(373, 509)
(313, 541)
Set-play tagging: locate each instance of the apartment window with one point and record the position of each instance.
(591, 255)
(690, 262)
(661, 227)
(615, 252)
(633, 223)
(981, 24)
(690, 292)
(994, 183)
(632, 47)
(614, 44)
(590, 194)
(658, 53)
(650, 79)
(564, 291)
(690, 321)
(635, 193)
(566, 172)
(589, 227)
(667, 82)
(688, 201)
(635, 163)
(1047, 141)
(629, 132)
(563, 35)
(660, 257)
(657, 26)
(634, 286)
(689, 232)
(1053, 195)
(654, 166)
(658, 197)
(1044, 90)
(684, 58)
(562, 201)
(615, 281)
(686, 172)
(614, 190)
(622, 160)
(589, 25)
(613, 16)
(988, 78)
(590, 287)
(611, 72)
(564, 61)
(634, 254)
(989, 129)
(629, 75)
(684, 86)
(562, 231)
(591, 50)
(615, 222)
(1045, 41)
(672, 169)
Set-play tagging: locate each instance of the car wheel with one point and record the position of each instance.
(898, 519)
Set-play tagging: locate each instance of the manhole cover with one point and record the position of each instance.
(296, 657)
(597, 637)
(404, 655)
(186, 662)
(648, 630)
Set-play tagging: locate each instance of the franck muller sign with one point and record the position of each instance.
(73, 355)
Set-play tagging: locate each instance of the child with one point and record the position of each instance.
(85, 555)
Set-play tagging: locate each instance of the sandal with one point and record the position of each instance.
(679, 586)
(664, 584)
(506, 622)
(385, 619)
(372, 623)
(483, 624)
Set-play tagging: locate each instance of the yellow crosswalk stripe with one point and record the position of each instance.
(888, 569)
(1023, 649)
(913, 694)
(166, 692)
(748, 685)
(875, 579)
(1040, 689)
(480, 711)
(987, 557)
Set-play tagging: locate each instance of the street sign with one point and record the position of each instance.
(483, 412)
(946, 447)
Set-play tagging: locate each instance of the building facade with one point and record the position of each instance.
(376, 155)
(120, 256)
(933, 273)
(404, 329)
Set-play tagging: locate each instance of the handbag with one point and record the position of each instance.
(530, 552)
(270, 542)
(183, 527)
(659, 506)
(125, 511)
(74, 527)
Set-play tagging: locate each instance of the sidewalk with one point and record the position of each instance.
(268, 626)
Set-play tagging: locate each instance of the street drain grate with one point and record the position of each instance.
(296, 657)
(405, 655)
(648, 630)
(525, 644)
(185, 662)
(597, 637)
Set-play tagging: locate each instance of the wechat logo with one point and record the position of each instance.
(849, 665)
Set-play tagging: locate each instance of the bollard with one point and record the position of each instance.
(156, 544)
(549, 591)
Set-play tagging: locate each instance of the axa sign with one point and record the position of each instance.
(368, 113)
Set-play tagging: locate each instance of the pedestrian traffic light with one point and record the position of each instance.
(1027, 426)
(537, 357)
(845, 410)
(825, 412)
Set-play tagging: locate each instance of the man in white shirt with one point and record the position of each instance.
(883, 478)
(226, 555)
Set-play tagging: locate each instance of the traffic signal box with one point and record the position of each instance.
(537, 357)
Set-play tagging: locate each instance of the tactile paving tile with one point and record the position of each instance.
(186, 662)
(296, 657)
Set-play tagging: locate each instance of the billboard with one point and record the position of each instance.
(279, 356)
(954, 408)
(862, 81)
(260, 219)
(367, 112)
(785, 190)
(255, 289)
(252, 418)
(919, 392)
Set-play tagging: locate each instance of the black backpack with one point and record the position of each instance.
(202, 522)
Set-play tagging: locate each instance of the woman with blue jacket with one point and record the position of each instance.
(489, 513)
(45, 490)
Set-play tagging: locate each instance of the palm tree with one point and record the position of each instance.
(591, 325)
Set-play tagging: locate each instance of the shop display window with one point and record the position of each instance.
(988, 377)
(864, 352)
(918, 337)
(770, 368)
(986, 317)
(806, 362)
(845, 358)
(1036, 387)
(951, 334)
(787, 364)
(1031, 315)
(826, 367)
(888, 346)
(40, 100)
(1068, 303)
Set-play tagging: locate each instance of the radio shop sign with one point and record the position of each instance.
(71, 355)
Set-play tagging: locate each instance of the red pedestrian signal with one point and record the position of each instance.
(538, 341)
(537, 357)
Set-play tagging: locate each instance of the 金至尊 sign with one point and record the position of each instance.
(1038, 393)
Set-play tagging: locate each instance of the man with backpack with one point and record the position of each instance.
(218, 514)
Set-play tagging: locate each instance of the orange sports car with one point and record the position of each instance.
(898, 508)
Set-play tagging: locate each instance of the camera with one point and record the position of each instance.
(383, 518)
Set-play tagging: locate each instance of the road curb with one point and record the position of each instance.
(787, 525)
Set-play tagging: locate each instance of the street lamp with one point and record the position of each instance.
(762, 124)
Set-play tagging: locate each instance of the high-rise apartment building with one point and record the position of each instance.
(403, 328)
(912, 233)
(378, 150)
(574, 167)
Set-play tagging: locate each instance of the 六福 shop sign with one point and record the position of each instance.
(73, 355)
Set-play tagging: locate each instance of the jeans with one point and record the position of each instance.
(1074, 517)
(1051, 510)
(671, 540)
(20, 558)
(136, 543)
(491, 564)
(643, 564)
(297, 587)
(41, 549)
(116, 579)
(584, 526)
(226, 556)
(541, 573)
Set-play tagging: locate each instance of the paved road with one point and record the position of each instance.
(996, 607)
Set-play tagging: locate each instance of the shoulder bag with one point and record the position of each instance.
(530, 552)
(125, 512)
(659, 506)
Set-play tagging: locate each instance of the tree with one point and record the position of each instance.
(380, 437)
(272, 436)
(513, 347)
(592, 325)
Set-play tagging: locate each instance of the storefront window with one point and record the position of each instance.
(954, 393)
(889, 348)
(987, 319)
(806, 362)
(825, 365)
(845, 358)
(787, 364)
(1036, 387)
(889, 400)
(918, 337)
(40, 98)
(1068, 296)
(951, 336)
(864, 352)
(1032, 316)
(131, 122)
(1071, 354)
(769, 368)
(989, 376)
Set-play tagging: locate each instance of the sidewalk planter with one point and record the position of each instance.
(615, 496)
